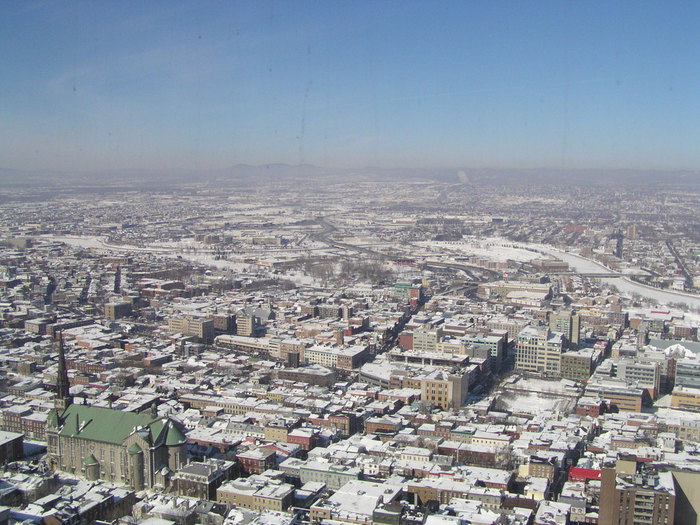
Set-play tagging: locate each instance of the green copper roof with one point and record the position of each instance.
(175, 436)
(52, 418)
(101, 424)
(90, 460)
(134, 449)
(157, 431)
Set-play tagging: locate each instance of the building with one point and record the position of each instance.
(502, 289)
(257, 493)
(640, 374)
(343, 357)
(633, 494)
(497, 343)
(122, 447)
(290, 346)
(445, 389)
(304, 437)
(618, 396)
(11, 447)
(539, 351)
(249, 345)
(117, 310)
(686, 398)
(567, 323)
(355, 502)
(443, 490)
(426, 339)
(202, 479)
(332, 475)
(688, 373)
(201, 328)
(246, 325)
(578, 365)
(552, 513)
(508, 324)
(112, 445)
(224, 323)
(311, 374)
(256, 460)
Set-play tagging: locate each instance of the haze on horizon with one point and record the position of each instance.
(94, 86)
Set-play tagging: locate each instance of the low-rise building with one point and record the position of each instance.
(257, 493)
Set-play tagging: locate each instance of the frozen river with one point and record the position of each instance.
(624, 284)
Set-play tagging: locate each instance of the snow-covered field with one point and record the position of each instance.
(534, 403)
(98, 243)
(491, 248)
(78, 242)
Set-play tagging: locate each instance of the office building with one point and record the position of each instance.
(539, 351)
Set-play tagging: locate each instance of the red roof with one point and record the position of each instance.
(581, 474)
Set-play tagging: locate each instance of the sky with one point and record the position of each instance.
(165, 85)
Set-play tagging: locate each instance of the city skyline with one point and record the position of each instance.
(123, 86)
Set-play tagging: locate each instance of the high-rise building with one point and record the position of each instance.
(246, 325)
(567, 323)
(632, 494)
(539, 350)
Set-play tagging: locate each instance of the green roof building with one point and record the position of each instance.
(139, 450)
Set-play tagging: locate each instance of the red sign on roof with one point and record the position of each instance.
(583, 474)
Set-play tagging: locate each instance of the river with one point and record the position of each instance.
(624, 284)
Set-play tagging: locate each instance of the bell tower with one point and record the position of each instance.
(63, 398)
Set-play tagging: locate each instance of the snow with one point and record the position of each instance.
(79, 242)
(534, 403)
(680, 352)
(210, 260)
(662, 296)
(491, 248)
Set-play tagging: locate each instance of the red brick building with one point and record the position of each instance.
(256, 461)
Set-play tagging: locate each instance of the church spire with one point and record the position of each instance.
(63, 397)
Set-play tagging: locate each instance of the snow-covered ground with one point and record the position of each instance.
(534, 403)
(210, 260)
(491, 248)
(78, 242)
(98, 243)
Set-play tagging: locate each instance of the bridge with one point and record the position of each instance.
(600, 275)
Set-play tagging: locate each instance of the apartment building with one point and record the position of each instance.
(198, 327)
(630, 496)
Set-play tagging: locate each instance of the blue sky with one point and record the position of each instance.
(163, 85)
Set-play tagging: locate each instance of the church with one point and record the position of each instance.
(139, 450)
